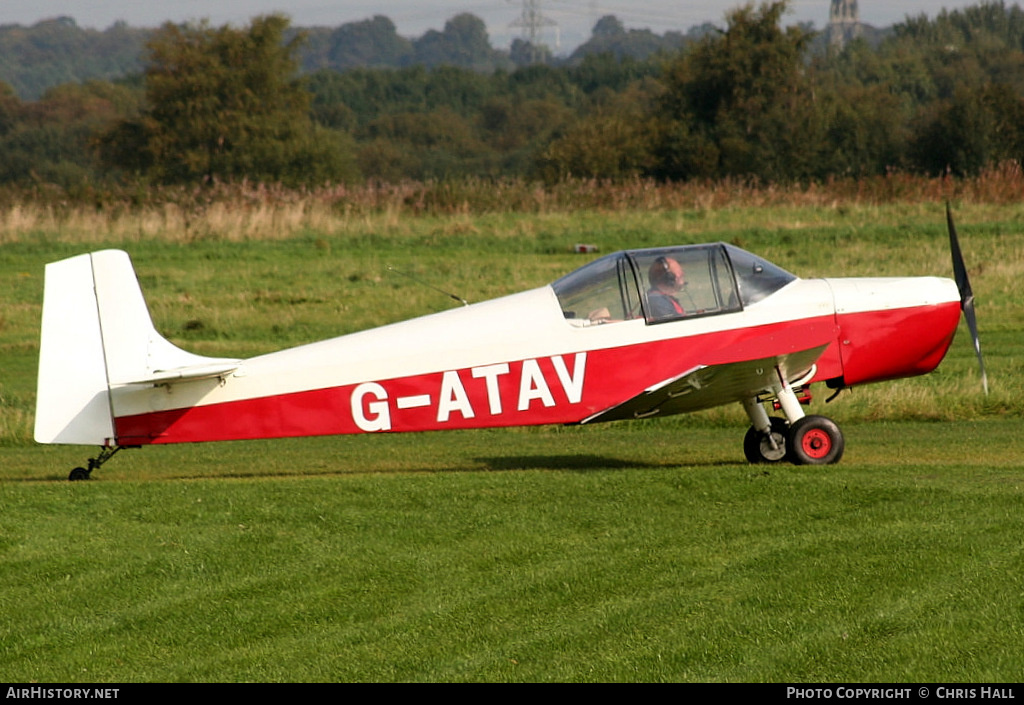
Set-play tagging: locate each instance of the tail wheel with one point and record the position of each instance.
(78, 474)
(814, 440)
(758, 448)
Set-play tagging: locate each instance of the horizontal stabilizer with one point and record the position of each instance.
(186, 374)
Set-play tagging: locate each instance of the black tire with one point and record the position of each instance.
(757, 448)
(78, 474)
(814, 440)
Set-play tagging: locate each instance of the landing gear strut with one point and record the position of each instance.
(105, 454)
(800, 439)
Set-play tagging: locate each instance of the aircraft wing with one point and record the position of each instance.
(706, 386)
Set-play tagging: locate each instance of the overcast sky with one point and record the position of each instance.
(574, 18)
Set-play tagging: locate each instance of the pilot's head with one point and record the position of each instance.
(666, 274)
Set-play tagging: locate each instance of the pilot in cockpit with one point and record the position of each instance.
(667, 280)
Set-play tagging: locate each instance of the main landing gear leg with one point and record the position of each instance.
(801, 439)
(105, 454)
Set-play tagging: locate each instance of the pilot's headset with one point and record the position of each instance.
(661, 273)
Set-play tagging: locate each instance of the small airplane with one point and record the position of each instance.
(630, 335)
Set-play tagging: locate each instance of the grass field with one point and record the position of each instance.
(627, 552)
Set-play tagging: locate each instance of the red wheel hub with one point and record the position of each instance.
(816, 443)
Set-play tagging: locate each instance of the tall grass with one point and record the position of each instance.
(247, 211)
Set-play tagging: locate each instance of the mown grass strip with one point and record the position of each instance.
(510, 560)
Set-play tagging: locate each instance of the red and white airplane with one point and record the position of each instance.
(634, 334)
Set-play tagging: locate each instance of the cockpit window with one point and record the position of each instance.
(757, 278)
(685, 281)
(604, 291)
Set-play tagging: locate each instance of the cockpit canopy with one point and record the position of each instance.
(667, 283)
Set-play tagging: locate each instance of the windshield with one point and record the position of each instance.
(756, 277)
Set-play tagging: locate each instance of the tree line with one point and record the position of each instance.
(753, 99)
(56, 51)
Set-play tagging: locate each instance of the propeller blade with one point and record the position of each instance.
(959, 270)
(972, 324)
(963, 284)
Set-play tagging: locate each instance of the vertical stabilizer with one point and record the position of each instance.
(96, 334)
